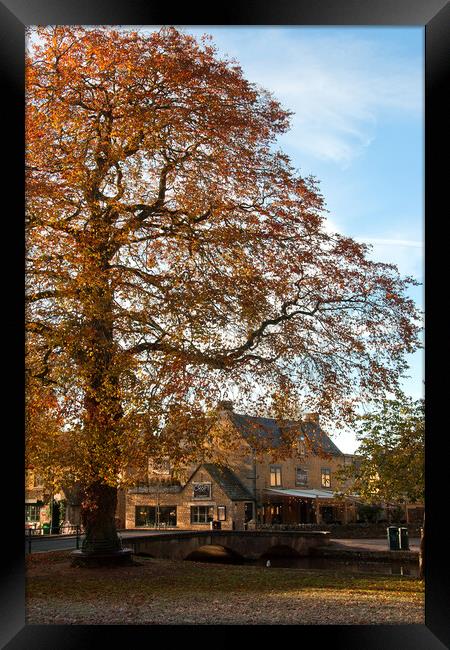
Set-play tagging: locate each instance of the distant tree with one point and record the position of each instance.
(390, 457)
(390, 464)
(174, 255)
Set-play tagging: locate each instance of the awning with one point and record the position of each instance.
(311, 494)
(308, 494)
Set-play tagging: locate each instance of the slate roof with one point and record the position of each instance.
(271, 431)
(228, 481)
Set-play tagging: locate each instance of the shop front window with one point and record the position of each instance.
(152, 516)
(32, 512)
(168, 515)
(145, 516)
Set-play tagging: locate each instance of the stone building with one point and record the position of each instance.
(59, 509)
(241, 485)
(250, 483)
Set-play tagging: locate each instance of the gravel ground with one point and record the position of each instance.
(156, 592)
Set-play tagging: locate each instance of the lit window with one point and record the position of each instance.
(32, 512)
(326, 477)
(275, 475)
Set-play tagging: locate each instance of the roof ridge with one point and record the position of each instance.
(231, 475)
(274, 426)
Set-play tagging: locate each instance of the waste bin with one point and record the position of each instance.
(393, 535)
(46, 529)
(404, 541)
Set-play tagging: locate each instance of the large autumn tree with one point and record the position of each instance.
(174, 256)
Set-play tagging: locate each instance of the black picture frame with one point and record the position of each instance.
(434, 15)
(221, 513)
(201, 491)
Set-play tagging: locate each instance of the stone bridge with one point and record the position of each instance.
(246, 544)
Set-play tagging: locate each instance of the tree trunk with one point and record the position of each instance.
(422, 552)
(98, 511)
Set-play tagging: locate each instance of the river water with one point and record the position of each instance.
(217, 554)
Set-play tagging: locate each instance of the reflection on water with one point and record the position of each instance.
(218, 554)
(347, 566)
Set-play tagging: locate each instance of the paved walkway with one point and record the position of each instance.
(371, 544)
(57, 542)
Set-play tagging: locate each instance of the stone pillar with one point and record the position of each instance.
(318, 518)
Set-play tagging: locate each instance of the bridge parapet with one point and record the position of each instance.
(248, 544)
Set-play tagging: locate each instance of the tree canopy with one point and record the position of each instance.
(175, 256)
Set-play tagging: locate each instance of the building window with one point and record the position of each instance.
(275, 475)
(301, 476)
(145, 516)
(221, 513)
(152, 516)
(168, 515)
(201, 490)
(32, 512)
(326, 477)
(202, 514)
(248, 511)
(160, 467)
(301, 447)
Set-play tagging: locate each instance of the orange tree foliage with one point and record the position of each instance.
(174, 255)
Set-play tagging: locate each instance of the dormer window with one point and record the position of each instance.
(301, 447)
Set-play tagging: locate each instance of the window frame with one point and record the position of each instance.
(221, 513)
(148, 518)
(306, 474)
(209, 514)
(203, 484)
(37, 513)
(155, 517)
(325, 472)
(301, 446)
(275, 473)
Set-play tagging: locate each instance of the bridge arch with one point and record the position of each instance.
(279, 550)
(214, 552)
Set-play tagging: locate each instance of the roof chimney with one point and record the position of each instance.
(225, 405)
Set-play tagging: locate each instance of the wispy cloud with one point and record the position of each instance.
(408, 243)
(406, 253)
(338, 85)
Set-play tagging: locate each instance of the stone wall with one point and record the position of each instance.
(183, 499)
(353, 530)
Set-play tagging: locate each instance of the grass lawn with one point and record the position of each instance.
(168, 592)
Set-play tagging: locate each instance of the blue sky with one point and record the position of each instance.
(358, 101)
